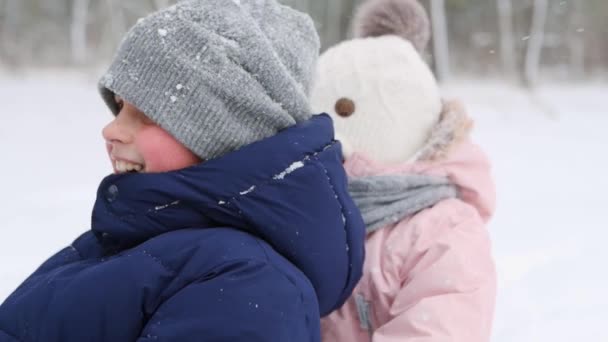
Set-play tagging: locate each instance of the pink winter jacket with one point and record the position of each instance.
(430, 277)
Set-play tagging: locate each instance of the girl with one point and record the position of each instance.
(227, 217)
(424, 188)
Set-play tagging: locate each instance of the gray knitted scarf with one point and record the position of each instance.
(385, 200)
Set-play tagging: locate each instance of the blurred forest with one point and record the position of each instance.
(520, 40)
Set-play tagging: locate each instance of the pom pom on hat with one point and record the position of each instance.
(404, 18)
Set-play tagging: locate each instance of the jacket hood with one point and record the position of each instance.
(289, 190)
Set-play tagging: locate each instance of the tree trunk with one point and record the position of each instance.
(9, 36)
(333, 24)
(507, 41)
(78, 30)
(440, 40)
(535, 43)
(348, 13)
(576, 41)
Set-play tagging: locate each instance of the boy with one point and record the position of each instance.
(227, 218)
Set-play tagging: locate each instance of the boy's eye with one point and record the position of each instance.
(119, 102)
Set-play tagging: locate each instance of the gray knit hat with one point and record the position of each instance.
(217, 74)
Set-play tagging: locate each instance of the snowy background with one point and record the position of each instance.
(548, 149)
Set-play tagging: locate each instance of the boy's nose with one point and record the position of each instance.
(114, 132)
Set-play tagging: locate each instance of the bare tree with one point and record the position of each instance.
(535, 43)
(576, 42)
(55, 32)
(333, 28)
(507, 41)
(440, 39)
(349, 8)
(10, 30)
(78, 30)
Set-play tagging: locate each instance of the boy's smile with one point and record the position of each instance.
(121, 165)
(135, 143)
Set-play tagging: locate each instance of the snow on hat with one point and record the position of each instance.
(217, 74)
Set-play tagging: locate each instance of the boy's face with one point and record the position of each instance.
(137, 144)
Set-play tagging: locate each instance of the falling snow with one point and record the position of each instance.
(514, 130)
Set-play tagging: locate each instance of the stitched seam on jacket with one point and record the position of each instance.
(333, 189)
(160, 262)
(306, 161)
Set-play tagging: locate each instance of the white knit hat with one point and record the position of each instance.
(378, 89)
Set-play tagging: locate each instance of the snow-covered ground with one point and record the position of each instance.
(550, 166)
(550, 230)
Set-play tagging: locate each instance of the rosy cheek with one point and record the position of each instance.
(161, 152)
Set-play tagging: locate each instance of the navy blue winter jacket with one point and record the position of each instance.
(253, 246)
